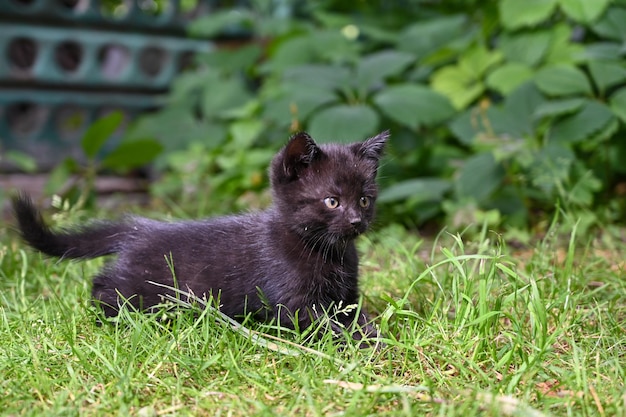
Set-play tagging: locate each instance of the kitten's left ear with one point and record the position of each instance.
(300, 152)
(373, 147)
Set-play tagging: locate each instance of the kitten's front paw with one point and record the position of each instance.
(368, 337)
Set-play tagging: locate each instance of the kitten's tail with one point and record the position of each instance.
(88, 242)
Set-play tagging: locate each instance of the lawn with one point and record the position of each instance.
(472, 326)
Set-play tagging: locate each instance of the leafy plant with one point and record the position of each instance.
(553, 133)
(508, 108)
(76, 179)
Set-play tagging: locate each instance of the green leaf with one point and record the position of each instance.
(461, 83)
(98, 133)
(231, 60)
(222, 96)
(188, 86)
(584, 11)
(296, 101)
(558, 107)
(374, 68)
(328, 77)
(512, 120)
(418, 189)
(332, 46)
(517, 13)
(562, 50)
(60, 175)
(616, 152)
(343, 123)
(606, 51)
(322, 45)
(220, 21)
(607, 73)
(307, 99)
(289, 52)
(478, 60)
(502, 127)
(21, 160)
(611, 25)
(466, 126)
(245, 110)
(132, 154)
(413, 105)
(517, 117)
(583, 191)
(592, 117)
(508, 77)
(375, 32)
(526, 48)
(551, 166)
(245, 132)
(430, 35)
(563, 79)
(459, 86)
(618, 103)
(175, 127)
(601, 136)
(479, 177)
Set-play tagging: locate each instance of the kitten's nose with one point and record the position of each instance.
(355, 221)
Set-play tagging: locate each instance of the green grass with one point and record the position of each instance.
(473, 328)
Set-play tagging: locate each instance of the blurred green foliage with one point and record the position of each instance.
(75, 180)
(500, 111)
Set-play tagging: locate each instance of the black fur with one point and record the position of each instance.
(296, 257)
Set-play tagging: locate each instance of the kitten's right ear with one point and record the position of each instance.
(373, 147)
(300, 152)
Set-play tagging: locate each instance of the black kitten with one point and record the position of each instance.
(292, 262)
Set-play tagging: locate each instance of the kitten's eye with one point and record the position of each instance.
(364, 202)
(331, 202)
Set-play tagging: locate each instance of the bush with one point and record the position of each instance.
(499, 111)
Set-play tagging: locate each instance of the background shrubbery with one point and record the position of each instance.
(500, 111)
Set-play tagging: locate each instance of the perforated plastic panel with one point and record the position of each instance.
(64, 63)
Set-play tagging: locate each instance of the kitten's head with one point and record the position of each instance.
(326, 193)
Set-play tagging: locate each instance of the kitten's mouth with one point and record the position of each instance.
(330, 236)
(354, 232)
(359, 229)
